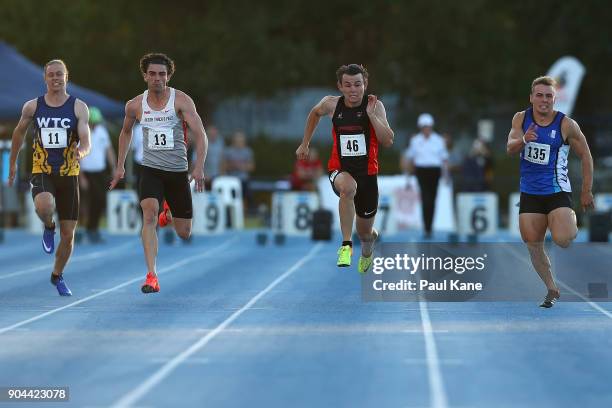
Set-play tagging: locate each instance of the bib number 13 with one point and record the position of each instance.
(160, 139)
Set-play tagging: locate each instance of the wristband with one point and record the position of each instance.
(524, 141)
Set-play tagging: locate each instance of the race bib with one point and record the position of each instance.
(537, 153)
(160, 139)
(54, 138)
(352, 145)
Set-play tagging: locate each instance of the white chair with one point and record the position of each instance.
(230, 190)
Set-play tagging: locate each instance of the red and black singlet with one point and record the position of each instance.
(355, 148)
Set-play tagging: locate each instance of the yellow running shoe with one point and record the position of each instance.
(344, 255)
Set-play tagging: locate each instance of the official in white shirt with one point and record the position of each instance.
(426, 157)
(93, 178)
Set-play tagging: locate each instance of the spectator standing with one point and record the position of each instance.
(93, 179)
(426, 157)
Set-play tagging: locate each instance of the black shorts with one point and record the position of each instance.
(64, 189)
(169, 185)
(544, 204)
(366, 197)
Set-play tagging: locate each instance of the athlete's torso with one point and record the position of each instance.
(163, 132)
(55, 139)
(355, 148)
(544, 161)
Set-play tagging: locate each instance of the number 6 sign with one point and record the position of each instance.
(477, 213)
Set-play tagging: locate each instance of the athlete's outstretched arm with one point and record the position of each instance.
(125, 138)
(82, 114)
(195, 125)
(324, 108)
(378, 119)
(27, 114)
(578, 143)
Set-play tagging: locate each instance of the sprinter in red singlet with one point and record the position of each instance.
(359, 125)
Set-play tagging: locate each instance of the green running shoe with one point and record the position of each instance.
(344, 255)
(364, 263)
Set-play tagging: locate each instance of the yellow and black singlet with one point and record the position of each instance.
(55, 139)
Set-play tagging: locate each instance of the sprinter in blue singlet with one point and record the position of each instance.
(543, 138)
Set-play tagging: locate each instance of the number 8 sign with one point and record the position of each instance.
(292, 212)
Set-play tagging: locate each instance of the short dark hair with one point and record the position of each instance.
(156, 58)
(352, 69)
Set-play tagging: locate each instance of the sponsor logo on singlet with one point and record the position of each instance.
(53, 122)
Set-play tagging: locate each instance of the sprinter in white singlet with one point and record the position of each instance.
(165, 115)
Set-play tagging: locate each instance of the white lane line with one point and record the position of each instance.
(423, 361)
(79, 258)
(561, 283)
(581, 296)
(143, 388)
(437, 393)
(114, 288)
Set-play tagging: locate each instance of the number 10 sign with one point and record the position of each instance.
(122, 212)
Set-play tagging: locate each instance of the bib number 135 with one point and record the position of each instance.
(537, 153)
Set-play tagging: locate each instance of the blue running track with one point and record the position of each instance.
(239, 325)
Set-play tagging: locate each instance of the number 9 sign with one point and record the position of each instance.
(208, 214)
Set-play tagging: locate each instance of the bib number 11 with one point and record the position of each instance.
(54, 137)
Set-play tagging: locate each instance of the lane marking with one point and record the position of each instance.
(147, 385)
(437, 393)
(590, 302)
(121, 285)
(563, 284)
(79, 258)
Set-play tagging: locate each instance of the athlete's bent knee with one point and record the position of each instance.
(184, 232)
(45, 211)
(67, 236)
(149, 217)
(563, 242)
(348, 192)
